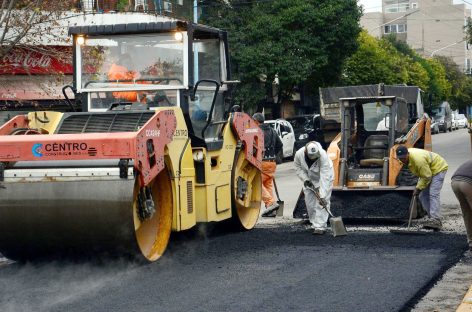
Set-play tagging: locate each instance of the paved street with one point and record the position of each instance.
(279, 266)
(455, 147)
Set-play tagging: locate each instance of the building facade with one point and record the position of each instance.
(430, 27)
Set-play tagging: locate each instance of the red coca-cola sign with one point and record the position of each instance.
(51, 61)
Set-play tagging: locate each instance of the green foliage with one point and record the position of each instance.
(461, 84)
(468, 30)
(297, 41)
(376, 61)
(390, 61)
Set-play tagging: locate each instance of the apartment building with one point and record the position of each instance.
(430, 27)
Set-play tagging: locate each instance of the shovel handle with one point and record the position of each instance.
(319, 200)
(412, 206)
(276, 190)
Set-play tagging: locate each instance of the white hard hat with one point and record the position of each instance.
(312, 150)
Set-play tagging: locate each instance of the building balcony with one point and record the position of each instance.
(173, 8)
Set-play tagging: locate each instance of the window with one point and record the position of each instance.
(414, 5)
(467, 66)
(287, 127)
(375, 116)
(401, 28)
(396, 6)
(209, 60)
(131, 61)
(395, 28)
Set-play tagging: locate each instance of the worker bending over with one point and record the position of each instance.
(315, 169)
(431, 170)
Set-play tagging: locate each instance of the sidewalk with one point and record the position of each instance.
(466, 305)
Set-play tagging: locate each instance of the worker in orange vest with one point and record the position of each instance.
(122, 74)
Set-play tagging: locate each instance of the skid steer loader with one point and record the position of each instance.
(157, 148)
(369, 182)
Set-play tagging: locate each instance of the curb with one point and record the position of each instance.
(466, 304)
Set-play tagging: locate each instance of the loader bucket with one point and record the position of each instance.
(381, 203)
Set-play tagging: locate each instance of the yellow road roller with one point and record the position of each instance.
(157, 147)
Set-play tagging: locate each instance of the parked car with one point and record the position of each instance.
(461, 121)
(443, 115)
(454, 121)
(303, 126)
(285, 131)
(434, 126)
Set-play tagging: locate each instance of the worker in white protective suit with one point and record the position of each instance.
(315, 169)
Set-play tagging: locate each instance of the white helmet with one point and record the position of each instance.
(312, 150)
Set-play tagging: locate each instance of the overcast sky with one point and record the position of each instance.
(371, 5)
(376, 5)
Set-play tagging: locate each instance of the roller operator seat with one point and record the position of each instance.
(374, 157)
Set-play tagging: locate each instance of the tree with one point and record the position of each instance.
(374, 62)
(460, 83)
(298, 41)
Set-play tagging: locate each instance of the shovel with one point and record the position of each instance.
(280, 211)
(337, 224)
(407, 230)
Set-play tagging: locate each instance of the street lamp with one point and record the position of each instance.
(449, 45)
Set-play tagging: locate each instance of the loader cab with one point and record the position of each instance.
(369, 130)
(152, 65)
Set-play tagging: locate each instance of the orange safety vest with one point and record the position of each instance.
(118, 72)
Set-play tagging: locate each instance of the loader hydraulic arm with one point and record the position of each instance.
(421, 130)
(419, 133)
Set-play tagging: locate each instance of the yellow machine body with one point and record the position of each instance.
(362, 181)
(207, 170)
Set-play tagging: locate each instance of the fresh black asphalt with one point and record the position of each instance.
(281, 268)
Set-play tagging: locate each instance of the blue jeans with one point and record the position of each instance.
(430, 196)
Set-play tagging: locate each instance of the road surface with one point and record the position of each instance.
(278, 266)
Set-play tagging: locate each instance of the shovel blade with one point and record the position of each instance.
(337, 226)
(280, 211)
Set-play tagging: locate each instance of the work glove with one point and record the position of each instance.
(308, 183)
(323, 202)
(416, 192)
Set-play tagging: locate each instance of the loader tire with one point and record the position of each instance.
(246, 210)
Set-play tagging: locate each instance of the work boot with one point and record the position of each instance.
(318, 232)
(304, 222)
(421, 221)
(433, 224)
(271, 211)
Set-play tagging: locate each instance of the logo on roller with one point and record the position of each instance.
(37, 150)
